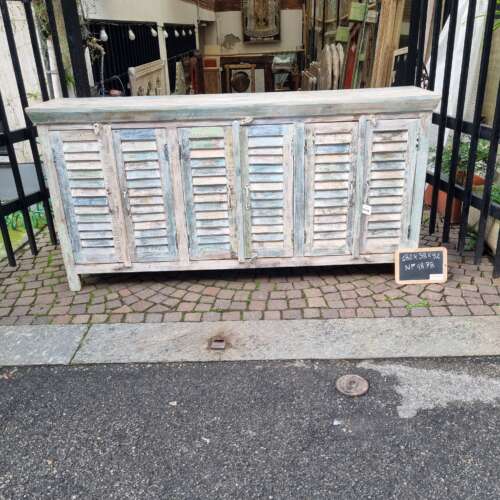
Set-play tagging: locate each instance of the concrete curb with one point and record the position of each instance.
(251, 340)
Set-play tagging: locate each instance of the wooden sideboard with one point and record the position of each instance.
(235, 181)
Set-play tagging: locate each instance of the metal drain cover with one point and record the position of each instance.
(352, 385)
(218, 344)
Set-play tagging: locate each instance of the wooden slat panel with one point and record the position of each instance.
(389, 180)
(205, 160)
(81, 176)
(268, 177)
(330, 171)
(147, 186)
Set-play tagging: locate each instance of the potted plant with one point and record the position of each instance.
(492, 225)
(463, 159)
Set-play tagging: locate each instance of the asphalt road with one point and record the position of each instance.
(426, 429)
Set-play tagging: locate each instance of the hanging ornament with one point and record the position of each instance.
(183, 33)
(154, 33)
(103, 36)
(165, 33)
(190, 32)
(131, 35)
(176, 33)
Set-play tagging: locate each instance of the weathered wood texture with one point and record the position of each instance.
(245, 181)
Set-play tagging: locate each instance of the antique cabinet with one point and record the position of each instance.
(235, 181)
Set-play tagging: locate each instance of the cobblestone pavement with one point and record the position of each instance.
(36, 292)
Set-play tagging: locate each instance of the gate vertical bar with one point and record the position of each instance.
(4, 230)
(74, 35)
(438, 7)
(474, 141)
(457, 135)
(488, 181)
(57, 47)
(444, 111)
(411, 60)
(36, 50)
(424, 4)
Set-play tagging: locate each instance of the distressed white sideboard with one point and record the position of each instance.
(235, 181)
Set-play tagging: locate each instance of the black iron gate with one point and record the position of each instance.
(416, 74)
(22, 201)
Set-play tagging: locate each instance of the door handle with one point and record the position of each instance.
(248, 204)
(126, 200)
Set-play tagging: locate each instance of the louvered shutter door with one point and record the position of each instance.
(80, 172)
(208, 174)
(390, 171)
(267, 180)
(145, 176)
(330, 164)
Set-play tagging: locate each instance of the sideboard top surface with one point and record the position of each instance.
(229, 106)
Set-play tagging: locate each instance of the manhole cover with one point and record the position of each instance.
(352, 385)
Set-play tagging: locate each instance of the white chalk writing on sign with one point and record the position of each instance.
(420, 261)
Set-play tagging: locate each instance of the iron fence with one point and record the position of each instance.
(475, 130)
(21, 201)
(127, 44)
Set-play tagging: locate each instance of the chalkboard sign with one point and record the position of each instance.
(421, 265)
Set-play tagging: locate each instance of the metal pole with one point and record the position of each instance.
(76, 51)
(436, 30)
(421, 43)
(443, 114)
(57, 47)
(488, 181)
(36, 50)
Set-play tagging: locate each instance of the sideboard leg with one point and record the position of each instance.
(74, 281)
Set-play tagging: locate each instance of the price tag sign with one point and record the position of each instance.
(421, 265)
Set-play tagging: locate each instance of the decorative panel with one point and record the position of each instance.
(147, 191)
(77, 157)
(267, 178)
(390, 170)
(208, 175)
(329, 186)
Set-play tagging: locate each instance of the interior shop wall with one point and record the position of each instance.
(160, 11)
(226, 34)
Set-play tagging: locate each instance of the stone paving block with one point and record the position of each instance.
(481, 310)
(399, 312)
(364, 312)
(38, 345)
(252, 315)
(459, 311)
(193, 316)
(272, 315)
(316, 302)
(439, 311)
(277, 305)
(347, 313)
(231, 316)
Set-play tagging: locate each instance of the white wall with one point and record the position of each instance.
(231, 23)
(8, 84)
(160, 11)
